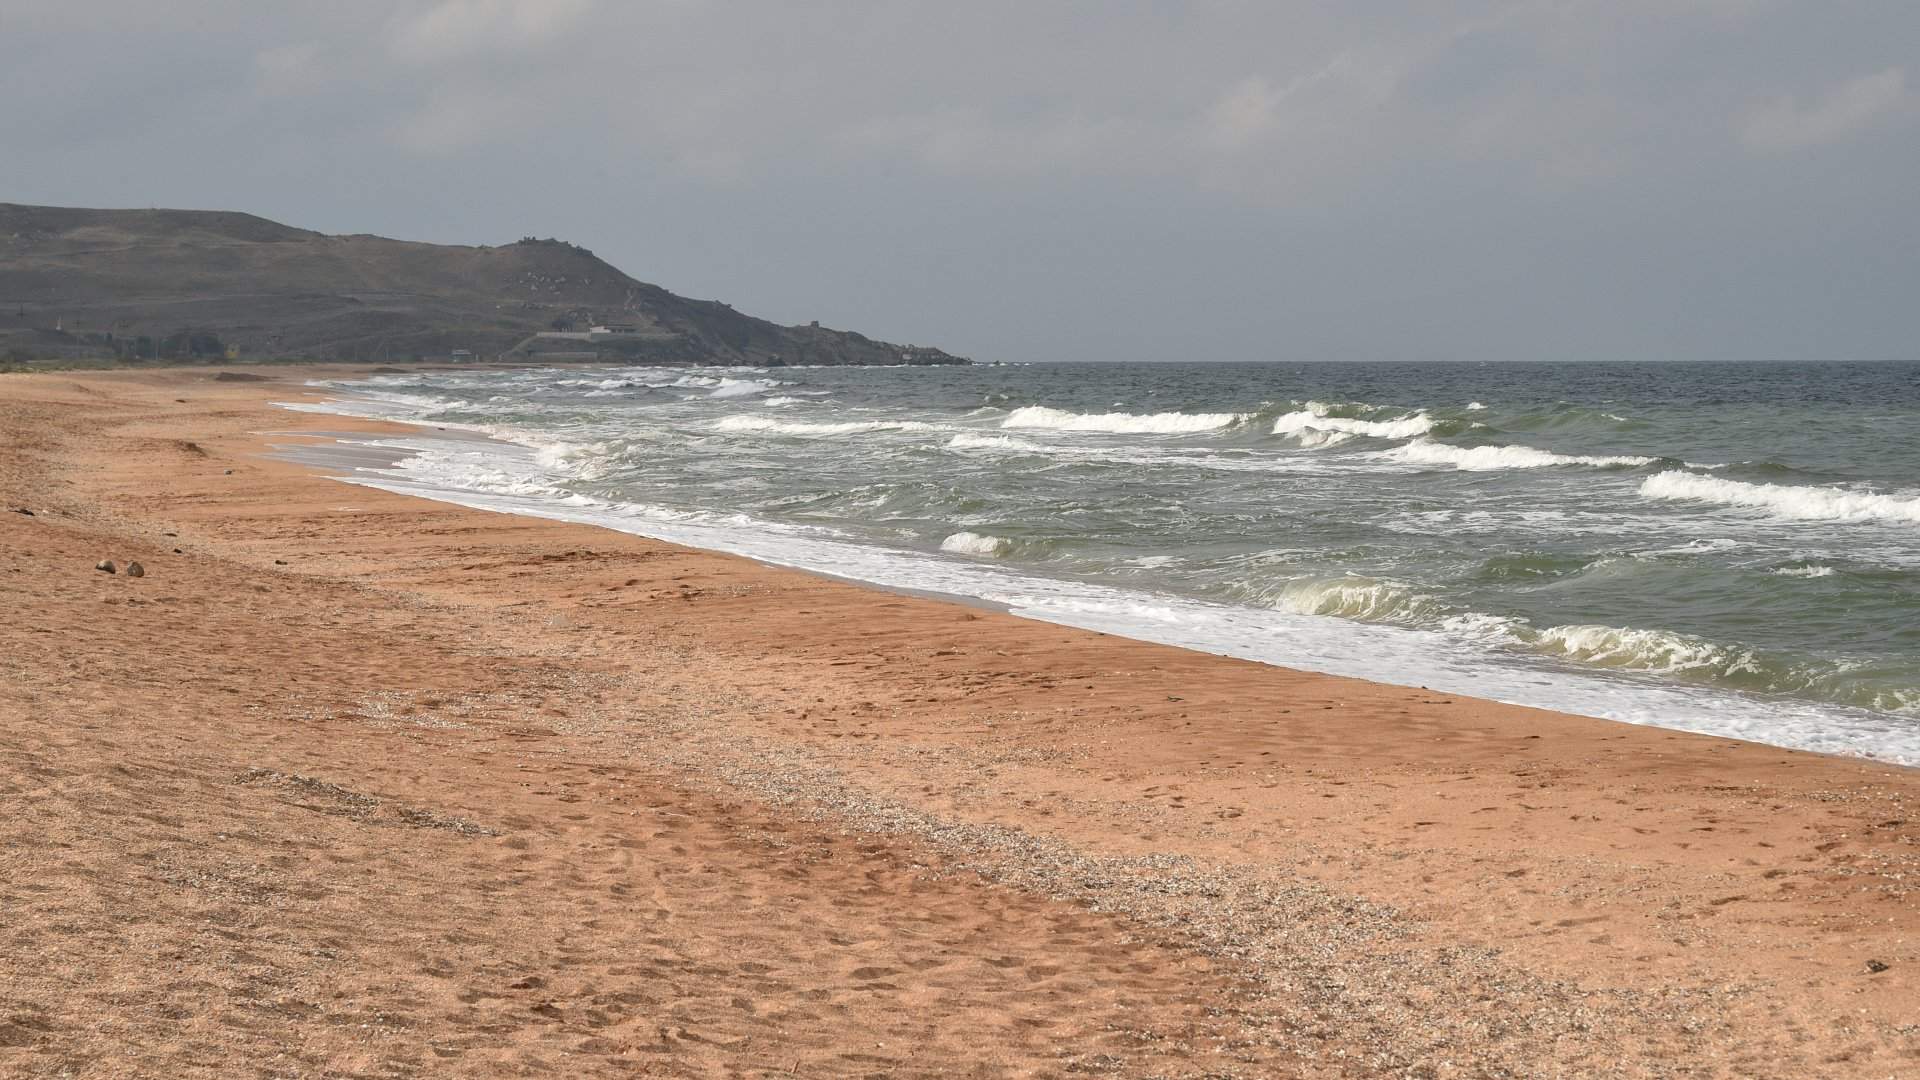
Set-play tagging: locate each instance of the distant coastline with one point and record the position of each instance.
(204, 286)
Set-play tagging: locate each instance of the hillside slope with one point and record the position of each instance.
(181, 282)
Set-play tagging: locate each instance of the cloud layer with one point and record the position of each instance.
(1849, 108)
(1454, 179)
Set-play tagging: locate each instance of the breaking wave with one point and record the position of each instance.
(768, 425)
(732, 388)
(1656, 651)
(968, 440)
(1804, 571)
(1313, 427)
(1491, 458)
(972, 543)
(1354, 597)
(1040, 417)
(1797, 503)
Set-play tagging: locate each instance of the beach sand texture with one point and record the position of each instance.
(355, 784)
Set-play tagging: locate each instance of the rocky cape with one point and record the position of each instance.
(199, 284)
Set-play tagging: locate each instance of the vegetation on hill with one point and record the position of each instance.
(192, 284)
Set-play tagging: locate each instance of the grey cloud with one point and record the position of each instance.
(1792, 124)
(1458, 178)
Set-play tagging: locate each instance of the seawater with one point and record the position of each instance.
(1727, 548)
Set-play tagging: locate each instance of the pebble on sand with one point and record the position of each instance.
(134, 569)
(106, 565)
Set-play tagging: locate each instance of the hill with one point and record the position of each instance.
(194, 283)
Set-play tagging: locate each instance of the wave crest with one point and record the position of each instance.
(1658, 651)
(1491, 458)
(1313, 427)
(968, 440)
(1363, 598)
(1804, 571)
(1041, 417)
(972, 543)
(1797, 503)
(768, 425)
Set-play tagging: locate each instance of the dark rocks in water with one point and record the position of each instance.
(106, 566)
(134, 569)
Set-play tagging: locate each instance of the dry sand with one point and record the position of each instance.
(353, 784)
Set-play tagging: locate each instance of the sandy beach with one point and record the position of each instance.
(356, 784)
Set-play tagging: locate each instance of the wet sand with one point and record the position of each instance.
(357, 784)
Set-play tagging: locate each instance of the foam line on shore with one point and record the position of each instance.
(1378, 653)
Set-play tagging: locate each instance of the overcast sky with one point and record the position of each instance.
(1427, 179)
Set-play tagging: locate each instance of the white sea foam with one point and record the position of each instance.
(1318, 439)
(1474, 406)
(574, 461)
(972, 543)
(1796, 503)
(968, 440)
(733, 388)
(1804, 571)
(376, 404)
(1167, 423)
(1658, 651)
(1491, 458)
(1354, 597)
(784, 399)
(1312, 426)
(764, 424)
(1702, 545)
(1482, 628)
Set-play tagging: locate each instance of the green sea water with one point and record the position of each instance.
(1626, 538)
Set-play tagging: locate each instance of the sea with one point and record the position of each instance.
(1724, 548)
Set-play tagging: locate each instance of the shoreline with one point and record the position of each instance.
(1422, 658)
(1358, 878)
(335, 461)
